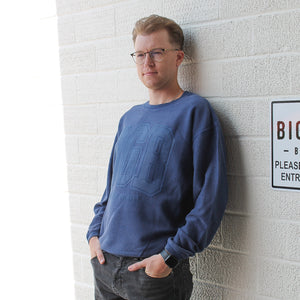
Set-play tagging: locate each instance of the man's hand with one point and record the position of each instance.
(95, 249)
(155, 266)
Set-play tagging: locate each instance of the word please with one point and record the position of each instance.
(287, 165)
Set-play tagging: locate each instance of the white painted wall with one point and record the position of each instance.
(243, 55)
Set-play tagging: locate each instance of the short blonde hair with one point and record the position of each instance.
(155, 23)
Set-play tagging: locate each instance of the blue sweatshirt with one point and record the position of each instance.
(166, 181)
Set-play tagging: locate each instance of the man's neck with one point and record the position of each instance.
(164, 96)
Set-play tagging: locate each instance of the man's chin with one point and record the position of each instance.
(151, 85)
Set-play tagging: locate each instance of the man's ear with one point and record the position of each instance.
(179, 58)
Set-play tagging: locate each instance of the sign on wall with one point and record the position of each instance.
(285, 131)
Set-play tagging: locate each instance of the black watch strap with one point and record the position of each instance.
(169, 259)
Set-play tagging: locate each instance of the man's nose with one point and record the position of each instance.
(148, 59)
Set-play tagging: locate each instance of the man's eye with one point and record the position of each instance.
(139, 55)
(156, 53)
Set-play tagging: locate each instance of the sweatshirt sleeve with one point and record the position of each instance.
(209, 195)
(99, 208)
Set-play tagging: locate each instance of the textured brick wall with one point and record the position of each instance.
(243, 55)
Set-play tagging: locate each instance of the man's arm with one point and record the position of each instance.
(210, 195)
(99, 209)
(95, 249)
(154, 266)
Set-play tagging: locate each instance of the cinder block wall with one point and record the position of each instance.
(243, 54)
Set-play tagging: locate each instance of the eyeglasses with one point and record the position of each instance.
(156, 55)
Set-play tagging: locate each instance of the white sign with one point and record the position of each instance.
(285, 144)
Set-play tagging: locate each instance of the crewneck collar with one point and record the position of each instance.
(163, 105)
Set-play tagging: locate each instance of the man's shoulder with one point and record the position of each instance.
(133, 109)
(131, 112)
(196, 101)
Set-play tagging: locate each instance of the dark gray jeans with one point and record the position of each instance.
(114, 282)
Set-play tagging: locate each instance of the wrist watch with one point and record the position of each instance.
(169, 259)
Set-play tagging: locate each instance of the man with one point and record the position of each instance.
(166, 185)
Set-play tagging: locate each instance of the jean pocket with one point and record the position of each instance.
(169, 276)
(94, 259)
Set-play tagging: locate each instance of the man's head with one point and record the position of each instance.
(158, 43)
(153, 23)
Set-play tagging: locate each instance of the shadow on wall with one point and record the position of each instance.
(228, 261)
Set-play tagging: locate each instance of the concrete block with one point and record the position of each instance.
(225, 40)
(186, 77)
(292, 236)
(275, 33)
(74, 6)
(269, 238)
(245, 117)
(74, 204)
(80, 119)
(258, 297)
(102, 182)
(249, 157)
(187, 46)
(83, 180)
(236, 232)
(83, 271)
(66, 30)
(109, 116)
(241, 194)
(204, 291)
(97, 87)
(84, 292)
(69, 90)
(236, 8)
(104, 54)
(280, 75)
(237, 295)
(72, 150)
(235, 202)
(278, 279)
(208, 79)
(82, 208)
(95, 150)
(294, 30)
(79, 242)
(115, 53)
(248, 77)
(94, 24)
(191, 11)
(207, 42)
(193, 265)
(122, 47)
(87, 270)
(218, 238)
(130, 88)
(293, 3)
(276, 204)
(295, 75)
(226, 268)
(128, 12)
(257, 77)
(77, 267)
(256, 197)
(78, 59)
(236, 38)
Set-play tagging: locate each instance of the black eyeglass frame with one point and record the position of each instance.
(164, 50)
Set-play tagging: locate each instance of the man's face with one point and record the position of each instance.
(158, 75)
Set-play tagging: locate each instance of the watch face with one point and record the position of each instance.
(171, 261)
